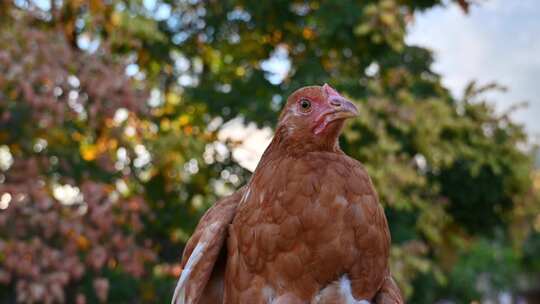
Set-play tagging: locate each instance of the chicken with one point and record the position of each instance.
(307, 228)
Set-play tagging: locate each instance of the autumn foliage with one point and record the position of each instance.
(111, 142)
(60, 100)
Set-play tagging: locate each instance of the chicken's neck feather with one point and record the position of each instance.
(290, 144)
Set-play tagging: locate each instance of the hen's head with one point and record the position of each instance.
(315, 114)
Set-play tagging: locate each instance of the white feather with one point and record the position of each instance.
(179, 296)
(245, 196)
(343, 287)
(346, 292)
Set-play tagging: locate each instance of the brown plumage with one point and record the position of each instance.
(307, 228)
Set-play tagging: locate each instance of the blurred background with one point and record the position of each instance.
(122, 121)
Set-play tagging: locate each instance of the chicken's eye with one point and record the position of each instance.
(305, 105)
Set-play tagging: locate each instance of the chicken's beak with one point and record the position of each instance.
(338, 108)
(341, 107)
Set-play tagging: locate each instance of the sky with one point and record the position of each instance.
(498, 40)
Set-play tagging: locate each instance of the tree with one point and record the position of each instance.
(143, 153)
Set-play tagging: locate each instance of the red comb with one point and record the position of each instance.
(330, 91)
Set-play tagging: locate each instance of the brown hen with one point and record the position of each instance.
(307, 228)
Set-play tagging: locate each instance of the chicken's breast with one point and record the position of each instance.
(305, 223)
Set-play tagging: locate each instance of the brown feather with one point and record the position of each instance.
(308, 227)
(211, 230)
(325, 232)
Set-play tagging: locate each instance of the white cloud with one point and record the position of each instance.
(278, 65)
(497, 41)
(253, 141)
